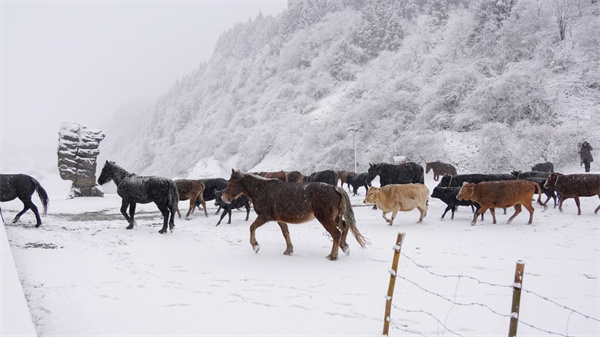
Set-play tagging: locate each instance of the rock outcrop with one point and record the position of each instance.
(78, 148)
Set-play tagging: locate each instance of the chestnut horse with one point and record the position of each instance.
(273, 175)
(440, 168)
(285, 203)
(191, 190)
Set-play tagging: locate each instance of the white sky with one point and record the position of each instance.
(80, 60)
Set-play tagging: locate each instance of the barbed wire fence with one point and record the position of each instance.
(408, 315)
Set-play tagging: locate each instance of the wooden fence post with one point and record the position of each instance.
(390, 293)
(516, 301)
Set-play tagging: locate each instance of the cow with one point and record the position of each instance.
(523, 175)
(543, 167)
(408, 173)
(327, 176)
(460, 179)
(399, 197)
(448, 196)
(548, 192)
(236, 203)
(507, 193)
(357, 181)
(574, 186)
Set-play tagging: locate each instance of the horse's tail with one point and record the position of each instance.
(173, 197)
(346, 218)
(42, 194)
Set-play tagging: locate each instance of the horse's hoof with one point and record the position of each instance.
(346, 250)
(332, 258)
(256, 248)
(129, 227)
(162, 231)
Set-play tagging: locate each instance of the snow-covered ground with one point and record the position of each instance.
(84, 274)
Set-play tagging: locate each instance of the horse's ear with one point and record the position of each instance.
(232, 171)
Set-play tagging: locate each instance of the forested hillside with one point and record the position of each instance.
(489, 85)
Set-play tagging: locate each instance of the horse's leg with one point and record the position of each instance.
(164, 210)
(124, 206)
(330, 226)
(229, 212)
(201, 197)
(343, 243)
(247, 211)
(192, 205)
(257, 223)
(38, 220)
(26, 207)
(517, 211)
(2, 216)
(286, 235)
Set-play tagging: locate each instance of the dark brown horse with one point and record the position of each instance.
(296, 203)
(440, 168)
(294, 177)
(190, 189)
(574, 186)
(343, 177)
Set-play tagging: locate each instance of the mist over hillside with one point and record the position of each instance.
(488, 85)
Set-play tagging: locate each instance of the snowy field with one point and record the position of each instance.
(84, 274)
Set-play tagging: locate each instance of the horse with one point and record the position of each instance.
(326, 176)
(440, 168)
(294, 177)
(192, 190)
(22, 186)
(135, 189)
(274, 175)
(343, 177)
(284, 203)
(240, 201)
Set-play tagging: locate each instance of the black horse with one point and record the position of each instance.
(142, 189)
(22, 186)
(326, 176)
(359, 180)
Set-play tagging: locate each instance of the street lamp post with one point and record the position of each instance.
(354, 129)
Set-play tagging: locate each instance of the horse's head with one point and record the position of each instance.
(427, 167)
(374, 170)
(234, 186)
(108, 172)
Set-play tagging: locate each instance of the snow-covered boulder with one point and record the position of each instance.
(77, 153)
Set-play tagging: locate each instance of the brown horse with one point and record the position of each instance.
(191, 190)
(343, 177)
(294, 177)
(440, 168)
(296, 203)
(273, 175)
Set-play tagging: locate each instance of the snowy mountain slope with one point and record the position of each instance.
(487, 85)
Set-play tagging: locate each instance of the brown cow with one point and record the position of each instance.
(504, 193)
(574, 186)
(399, 197)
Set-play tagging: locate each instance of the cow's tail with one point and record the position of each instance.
(347, 220)
(539, 192)
(42, 194)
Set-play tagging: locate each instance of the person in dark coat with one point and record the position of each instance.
(586, 155)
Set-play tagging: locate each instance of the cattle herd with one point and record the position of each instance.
(401, 188)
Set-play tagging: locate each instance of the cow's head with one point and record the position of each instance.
(466, 191)
(551, 181)
(372, 195)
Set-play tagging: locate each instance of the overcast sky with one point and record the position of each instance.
(80, 60)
